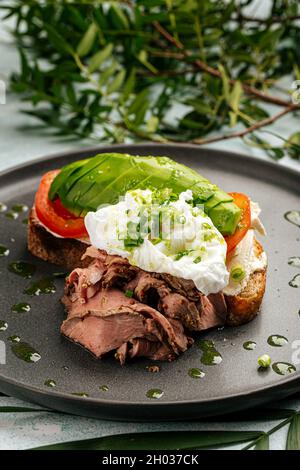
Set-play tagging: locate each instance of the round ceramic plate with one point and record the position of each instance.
(102, 388)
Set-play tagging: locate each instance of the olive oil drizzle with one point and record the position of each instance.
(210, 356)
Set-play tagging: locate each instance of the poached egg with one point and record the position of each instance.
(172, 237)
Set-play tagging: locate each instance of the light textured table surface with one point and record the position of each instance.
(25, 430)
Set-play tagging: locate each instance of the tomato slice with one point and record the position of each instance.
(243, 202)
(53, 215)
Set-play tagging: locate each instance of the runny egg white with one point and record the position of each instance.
(186, 244)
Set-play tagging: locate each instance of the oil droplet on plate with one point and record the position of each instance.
(196, 373)
(22, 268)
(155, 393)
(4, 251)
(103, 388)
(43, 286)
(12, 215)
(295, 282)
(210, 356)
(19, 208)
(25, 352)
(293, 217)
(50, 383)
(14, 338)
(3, 325)
(22, 307)
(3, 207)
(294, 261)
(283, 368)
(277, 340)
(80, 394)
(249, 345)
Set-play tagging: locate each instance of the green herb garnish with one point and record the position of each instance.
(264, 361)
(237, 273)
(182, 253)
(133, 242)
(129, 293)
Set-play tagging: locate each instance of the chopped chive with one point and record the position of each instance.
(182, 253)
(197, 260)
(264, 361)
(130, 242)
(129, 293)
(238, 273)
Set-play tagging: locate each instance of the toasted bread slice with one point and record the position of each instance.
(61, 251)
(245, 306)
(68, 252)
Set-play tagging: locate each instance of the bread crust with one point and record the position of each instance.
(67, 252)
(245, 306)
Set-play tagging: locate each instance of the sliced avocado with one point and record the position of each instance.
(225, 217)
(82, 171)
(63, 176)
(82, 183)
(218, 197)
(108, 183)
(103, 179)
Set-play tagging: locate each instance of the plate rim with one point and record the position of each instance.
(105, 148)
(284, 385)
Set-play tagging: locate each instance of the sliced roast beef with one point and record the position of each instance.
(184, 287)
(142, 347)
(108, 319)
(112, 305)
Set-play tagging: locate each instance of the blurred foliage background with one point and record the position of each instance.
(116, 70)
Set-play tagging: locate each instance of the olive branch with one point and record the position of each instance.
(120, 70)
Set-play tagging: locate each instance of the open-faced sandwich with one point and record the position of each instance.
(157, 252)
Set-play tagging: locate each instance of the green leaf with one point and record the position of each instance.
(158, 441)
(58, 40)
(97, 60)
(117, 82)
(129, 85)
(24, 64)
(234, 102)
(292, 145)
(87, 41)
(118, 17)
(263, 443)
(71, 95)
(293, 437)
(107, 73)
(143, 58)
(274, 152)
(152, 124)
(138, 102)
(225, 81)
(199, 106)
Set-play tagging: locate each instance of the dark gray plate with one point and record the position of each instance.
(234, 384)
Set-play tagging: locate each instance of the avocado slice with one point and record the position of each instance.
(218, 197)
(65, 173)
(225, 217)
(84, 186)
(85, 169)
